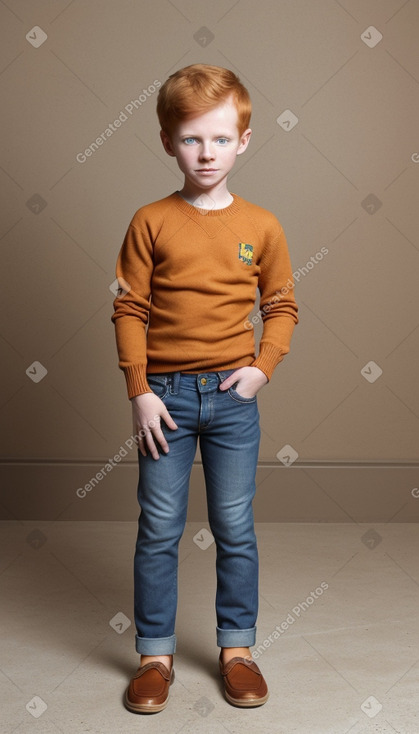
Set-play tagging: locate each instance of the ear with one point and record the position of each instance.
(167, 145)
(244, 141)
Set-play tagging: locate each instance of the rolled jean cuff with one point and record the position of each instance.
(155, 645)
(236, 638)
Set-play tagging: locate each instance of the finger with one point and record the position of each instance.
(162, 441)
(228, 382)
(139, 440)
(168, 419)
(136, 436)
(151, 445)
(144, 440)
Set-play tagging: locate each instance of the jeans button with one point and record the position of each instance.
(203, 380)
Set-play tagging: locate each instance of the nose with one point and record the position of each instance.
(206, 152)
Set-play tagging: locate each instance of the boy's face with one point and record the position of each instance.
(206, 147)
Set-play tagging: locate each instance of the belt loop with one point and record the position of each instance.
(174, 382)
(224, 374)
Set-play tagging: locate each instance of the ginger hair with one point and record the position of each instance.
(196, 89)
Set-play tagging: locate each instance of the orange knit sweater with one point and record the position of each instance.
(189, 279)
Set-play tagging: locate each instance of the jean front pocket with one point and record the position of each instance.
(159, 385)
(240, 398)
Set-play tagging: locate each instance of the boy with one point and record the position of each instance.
(188, 269)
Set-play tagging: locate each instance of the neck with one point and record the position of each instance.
(216, 198)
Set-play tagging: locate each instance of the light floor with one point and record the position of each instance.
(345, 660)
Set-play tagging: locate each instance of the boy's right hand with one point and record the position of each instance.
(147, 411)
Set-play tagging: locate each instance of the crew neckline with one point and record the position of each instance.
(188, 208)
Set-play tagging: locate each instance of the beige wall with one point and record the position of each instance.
(344, 178)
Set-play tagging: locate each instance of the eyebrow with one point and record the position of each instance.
(194, 135)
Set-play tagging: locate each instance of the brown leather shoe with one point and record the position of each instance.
(148, 691)
(244, 684)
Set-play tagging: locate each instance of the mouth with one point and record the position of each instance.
(206, 170)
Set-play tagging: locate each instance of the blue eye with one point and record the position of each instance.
(223, 141)
(188, 141)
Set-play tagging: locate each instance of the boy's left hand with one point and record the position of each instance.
(249, 381)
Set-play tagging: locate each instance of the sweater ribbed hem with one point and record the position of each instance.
(136, 378)
(136, 374)
(268, 358)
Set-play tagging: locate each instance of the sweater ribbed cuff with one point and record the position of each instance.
(136, 379)
(269, 356)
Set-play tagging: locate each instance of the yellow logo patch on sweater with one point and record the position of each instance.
(246, 253)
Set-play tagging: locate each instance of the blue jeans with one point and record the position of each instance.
(228, 428)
